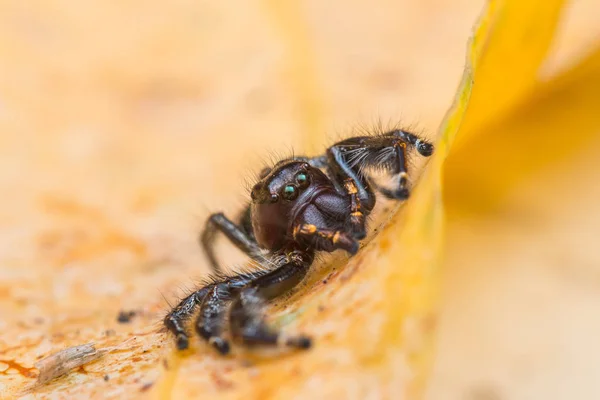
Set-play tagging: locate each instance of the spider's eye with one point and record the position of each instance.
(290, 192)
(302, 180)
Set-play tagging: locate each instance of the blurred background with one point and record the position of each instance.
(122, 124)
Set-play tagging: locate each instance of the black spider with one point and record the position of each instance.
(300, 206)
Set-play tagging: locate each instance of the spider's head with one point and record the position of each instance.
(280, 195)
(284, 183)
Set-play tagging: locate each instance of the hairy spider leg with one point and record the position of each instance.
(386, 151)
(355, 185)
(249, 292)
(175, 320)
(399, 169)
(423, 147)
(211, 319)
(239, 235)
(247, 311)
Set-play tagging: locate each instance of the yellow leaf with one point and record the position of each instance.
(495, 78)
(555, 120)
(506, 57)
(374, 333)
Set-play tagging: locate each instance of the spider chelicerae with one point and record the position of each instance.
(299, 207)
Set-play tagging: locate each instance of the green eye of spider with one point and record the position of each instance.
(290, 192)
(302, 179)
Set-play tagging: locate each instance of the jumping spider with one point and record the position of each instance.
(300, 206)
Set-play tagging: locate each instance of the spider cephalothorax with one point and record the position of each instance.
(290, 201)
(300, 206)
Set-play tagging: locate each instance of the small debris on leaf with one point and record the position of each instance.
(125, 317)
(146, 386)
(71, 358)
(66, 360)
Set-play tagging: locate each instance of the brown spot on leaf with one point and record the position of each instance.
(20, 369)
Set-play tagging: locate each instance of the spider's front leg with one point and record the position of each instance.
(351, 158)
(423, 147)
(355, 185)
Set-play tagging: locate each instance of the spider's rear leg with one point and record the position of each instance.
(247, 311)
(237, 234)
